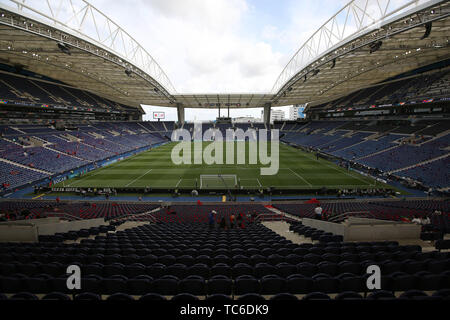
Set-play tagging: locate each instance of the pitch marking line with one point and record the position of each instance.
(100, 170)
(339, 170)
(350, 175)
(259, 182)
(42, 194)
(138, 178)
(300, 177)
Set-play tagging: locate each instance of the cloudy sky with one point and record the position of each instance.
(209, 46)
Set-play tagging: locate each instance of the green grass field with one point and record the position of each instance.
(155, 169)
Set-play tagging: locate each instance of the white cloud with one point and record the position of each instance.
(204, 47)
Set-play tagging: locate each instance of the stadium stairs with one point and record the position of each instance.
(420, 163)
(26, 167)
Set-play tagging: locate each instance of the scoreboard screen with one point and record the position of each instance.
(159, 115)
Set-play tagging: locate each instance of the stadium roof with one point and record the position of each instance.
(364, 43)
(232, 100)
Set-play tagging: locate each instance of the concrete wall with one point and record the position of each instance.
(382, 232)
(66, 226)
(335, 228)
(362, 229)
(33, 222)
(29, 230)
(18, 233)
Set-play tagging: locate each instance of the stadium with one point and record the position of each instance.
(94, 205)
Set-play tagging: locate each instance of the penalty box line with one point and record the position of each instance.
(300, 177)
(138, 178)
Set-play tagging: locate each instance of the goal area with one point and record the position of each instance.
(218, 181)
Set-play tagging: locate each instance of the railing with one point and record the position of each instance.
(272, 217)
(127, 216)
(341, 217)
(68, 216)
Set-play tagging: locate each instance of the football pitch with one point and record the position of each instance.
(155, 169)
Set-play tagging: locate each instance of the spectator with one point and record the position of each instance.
(426, 221)
(239, 219)
(223, 223)
(232, 221)
(318, 212)
(211, 219)
(416, 220)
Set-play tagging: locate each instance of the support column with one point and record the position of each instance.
(267, 109)
(180, 111)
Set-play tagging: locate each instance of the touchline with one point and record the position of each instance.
(213, 153)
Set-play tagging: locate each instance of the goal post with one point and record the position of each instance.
(218, 181)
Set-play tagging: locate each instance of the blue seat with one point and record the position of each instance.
(413, 294)
(348, 295)
(246, 284)
(316, 296)
(114, 284)
(218, 297)
(438, 266)
(221, 269)
(403, 282)
(354, 283)
(306, 269)
(264, 269)
(11, 284)
(219, 284)
(56, 296)
(242, 269)
(444, 293)
(152, 297)
(284, 297)
(38, 284)
(430, 282)
(272, 284)
(251, 297)
(138, 286)
(204, 259)
(23, 296)
(93, 268)
(184, 297)
(177, 270)
(167, 259)
(285, 269)
(120, 297)
(199, 269)
(165, 286)
(240, 258)
(91, 284)
(299, 284)
(381, 295)
(193, 285)
(326, 285)
(156, 270)
(327, 267)
(275, 259)
(312, 258)
(257, 258)
(114, 269)
(293, 259)
(186, 260)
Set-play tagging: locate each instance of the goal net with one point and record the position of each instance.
(218, 181)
